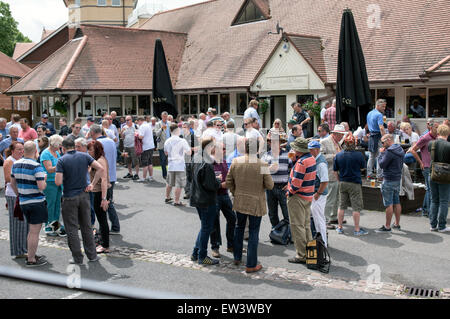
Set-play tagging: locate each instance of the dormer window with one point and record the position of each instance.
(250, 12)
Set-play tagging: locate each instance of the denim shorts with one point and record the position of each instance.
(35, 213)
(390, 192)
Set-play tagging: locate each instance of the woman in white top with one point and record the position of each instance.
(18, 229)
(408, 134)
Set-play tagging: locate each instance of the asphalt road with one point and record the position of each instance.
(412, 257)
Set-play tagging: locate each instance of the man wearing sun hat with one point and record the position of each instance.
(300, 191)
(348, 164)
(329, 147)
(320, 190)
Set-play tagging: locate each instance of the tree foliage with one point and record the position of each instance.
(9, 33)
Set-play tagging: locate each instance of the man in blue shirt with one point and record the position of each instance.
(111, 156)
(251, 111)
(14, 136)
(49, 126)
(3, 130)
(71, 172)
(376, 129)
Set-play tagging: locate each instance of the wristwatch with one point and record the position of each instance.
(104, 198)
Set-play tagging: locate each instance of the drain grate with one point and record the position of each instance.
(422, 292)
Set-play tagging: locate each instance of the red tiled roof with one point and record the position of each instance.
(409, 38)
(11, 67)
(113, 58)
(21, 48)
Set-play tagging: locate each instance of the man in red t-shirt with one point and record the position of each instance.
(27, 133)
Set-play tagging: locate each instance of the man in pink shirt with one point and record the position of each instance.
(424, 161)
(27, 133)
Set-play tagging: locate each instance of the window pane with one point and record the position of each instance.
(101, 2)
(51, 101)
(214, 101)
(224, 103)
(130, 105)
(250, 12)
(373, 96)
(203, 103)
(116, 3)
(438, 102)
(101, 105)
(144, 105)
(44, 105)
(115, 104)
(417, 100)
(194, 104)
(87, 109)
(241, 103)
(389, 96)
(185, 104)
(302, 99)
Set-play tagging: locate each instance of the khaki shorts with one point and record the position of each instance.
(176, 179)
(350, 195)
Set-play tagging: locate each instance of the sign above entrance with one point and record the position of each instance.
(299, 82)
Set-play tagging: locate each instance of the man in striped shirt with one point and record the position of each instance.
(330, 115)
(28, 181)
(300, 195)
(279, 166)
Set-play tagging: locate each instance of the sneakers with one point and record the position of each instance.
(114, 232)
(168, 200)
(142, 180)
(215, 253)
(383, 229)
(194, 257)
(361, 232)
(396, 227)
(61, 232)
(128, 176)
(330, 226)
(95, 259)
(434, 229)
(73, 262)
(135, 177)
(230, 250)
(208, 261)
(40, 261)
(445, 230)
(340, 231)
(149, 179)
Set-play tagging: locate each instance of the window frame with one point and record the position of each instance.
(101, 5)
(243, 11)
(116, 5)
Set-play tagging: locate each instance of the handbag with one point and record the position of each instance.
(317, 256)
(440, 172)
(17, 211)
(281, 233)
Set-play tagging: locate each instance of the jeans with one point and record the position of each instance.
(373, 156)
(102, 219)
(252, 253)
(275, 197)
(223, 204)
(163, 162)
(91, 196)
(187, 188)
(112, 214)
(440, 195)
(427, 199)
(207, 218)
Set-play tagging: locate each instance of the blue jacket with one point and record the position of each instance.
(391, 161)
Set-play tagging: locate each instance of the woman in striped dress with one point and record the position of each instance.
(18, 229)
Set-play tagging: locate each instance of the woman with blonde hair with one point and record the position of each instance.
(410, 137)
(48, 159)
(277, 129)
(18, 228)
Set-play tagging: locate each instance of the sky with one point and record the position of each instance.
(34, 15)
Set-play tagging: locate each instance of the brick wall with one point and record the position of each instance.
(6, 101)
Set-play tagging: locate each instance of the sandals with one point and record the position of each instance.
(102, 250)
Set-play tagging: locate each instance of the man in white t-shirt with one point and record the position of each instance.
(146, 135)
(230, 138)
(176, 148)
(214, 130)
(252, 132)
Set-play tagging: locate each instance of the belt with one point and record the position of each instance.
(280, 185)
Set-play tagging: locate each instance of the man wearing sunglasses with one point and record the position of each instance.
(391, 162)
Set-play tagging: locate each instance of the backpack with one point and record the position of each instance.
(317, 256)
(281, 233)
(137, 145)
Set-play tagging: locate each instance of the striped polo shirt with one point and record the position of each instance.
(303, 177)
(281, 176)
(27, 172)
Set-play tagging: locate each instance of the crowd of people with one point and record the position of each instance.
(244, 172)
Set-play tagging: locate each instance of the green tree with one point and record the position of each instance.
(9, 33)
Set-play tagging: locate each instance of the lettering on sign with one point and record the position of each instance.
(159, 100)
(288, 82)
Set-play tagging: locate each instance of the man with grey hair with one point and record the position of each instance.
(13, 136)
(4, 132)
(162, 133)
(376, 128)
(111, 157)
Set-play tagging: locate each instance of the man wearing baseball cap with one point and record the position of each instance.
(49, 126)
(300, 195)
(348, 164)
(320, 190)
(86, 127)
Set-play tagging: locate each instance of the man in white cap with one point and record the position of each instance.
(320, 190)
(329, 147)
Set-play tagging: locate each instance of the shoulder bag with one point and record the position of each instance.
(440, 172)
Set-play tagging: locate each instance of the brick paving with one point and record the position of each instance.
(314, 279)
